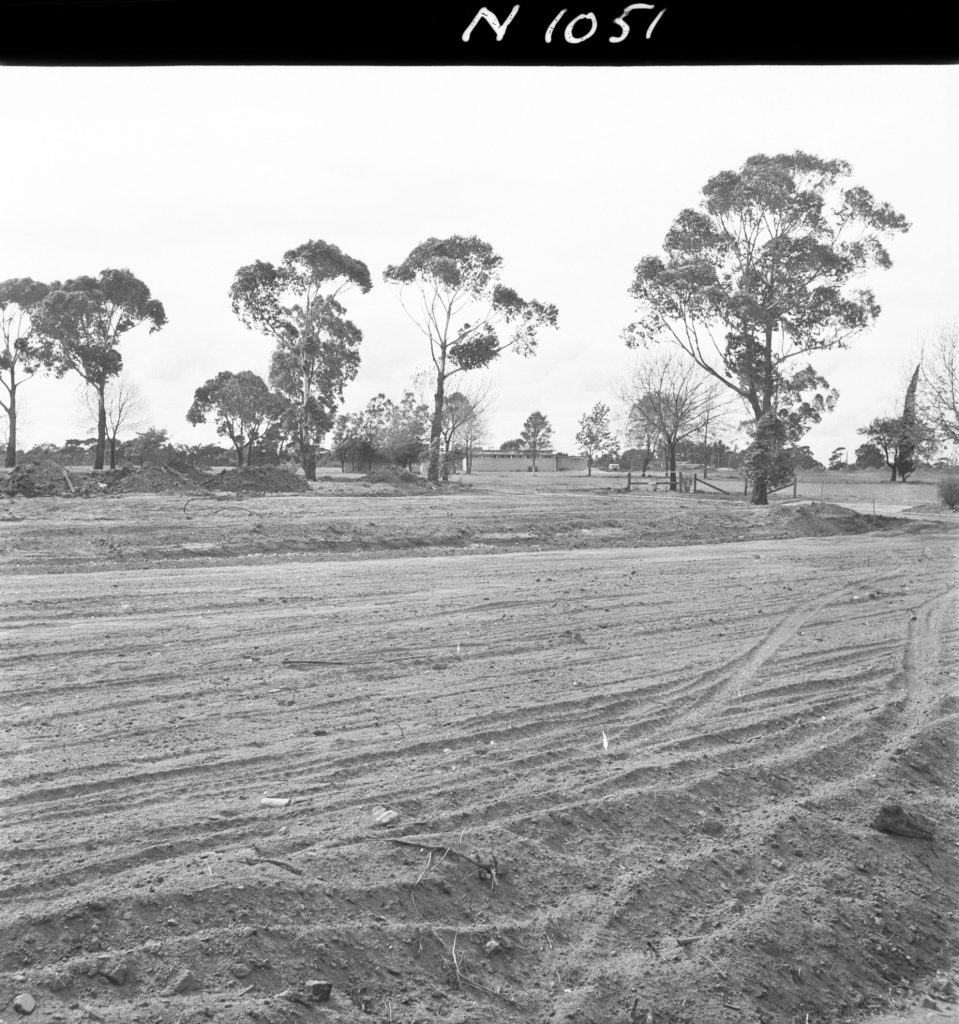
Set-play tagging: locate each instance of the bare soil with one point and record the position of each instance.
(589, 757)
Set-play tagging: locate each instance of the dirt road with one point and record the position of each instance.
(712, 861)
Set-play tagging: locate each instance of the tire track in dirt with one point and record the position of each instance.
(579, 832)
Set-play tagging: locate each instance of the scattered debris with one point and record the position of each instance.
(898, 822)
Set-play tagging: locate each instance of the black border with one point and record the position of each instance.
(180, 32)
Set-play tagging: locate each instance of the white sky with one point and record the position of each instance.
(572, 174)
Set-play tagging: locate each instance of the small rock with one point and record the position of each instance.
(241, 970)
(383, 816)
(712, 827)
(929, 1004)
(319, 990)
(778, 864)
(187, 982)
(59, 981)
(492, 947)
(25, 1003)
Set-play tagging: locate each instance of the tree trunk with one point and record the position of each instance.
(589, 465)
(760, 492)
(895, 472)
(11, 459)
(239, 456)
(249, 453)
(101, 427)
(671, 460)
(436, 431)
(113, 451)
(308, 461)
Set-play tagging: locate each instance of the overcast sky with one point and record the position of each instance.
(572, 174)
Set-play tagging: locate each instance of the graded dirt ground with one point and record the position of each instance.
(460, 844)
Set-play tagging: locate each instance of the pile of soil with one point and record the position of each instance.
(825, 520)
(258, 480)
(155, 480)
(45, 478)
(393, 480)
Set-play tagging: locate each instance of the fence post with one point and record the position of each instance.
(629, 480)
(745, 486)
(680, 481)
(794, 487)
(695, 481)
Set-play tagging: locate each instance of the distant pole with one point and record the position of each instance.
(629, 481)
(696, 481)
(794, 487)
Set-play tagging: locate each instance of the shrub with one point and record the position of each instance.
(949, 493)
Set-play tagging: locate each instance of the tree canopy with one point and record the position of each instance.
(761, 276)
(242, 407)
(317, 348)
(82, 321)
(940, 371)
(468, 315)
(595, 434)
(537, 435)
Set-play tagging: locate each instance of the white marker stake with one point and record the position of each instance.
(605, 743)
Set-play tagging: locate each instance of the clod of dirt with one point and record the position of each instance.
(894, 820)
(115, 971)
(25, 1003)
(383, 816)
(319, 990)
(187, 982)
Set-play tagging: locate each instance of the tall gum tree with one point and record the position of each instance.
(83, 321)
(760, 277)
(317, 348)
(21, 352)
(468, 315)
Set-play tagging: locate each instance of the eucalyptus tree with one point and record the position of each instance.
(82, 322)
(242, 406)
(467, 314)
(317, 349)
(761, 276)
(22, 353)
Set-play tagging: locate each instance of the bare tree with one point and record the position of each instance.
(940, 381)
(463, 422)
(125, 407)
(670, 395)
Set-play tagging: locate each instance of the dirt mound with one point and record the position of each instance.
(394, 475)
(258, 480)
(825, 520)
(43, 478)
(155, 480)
